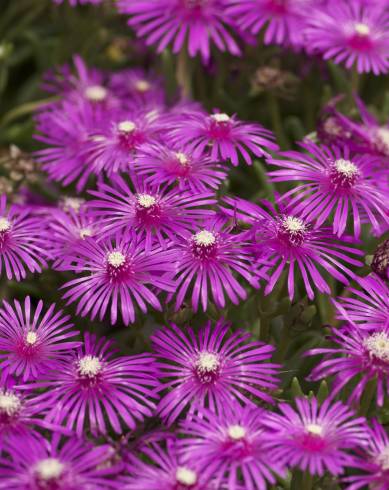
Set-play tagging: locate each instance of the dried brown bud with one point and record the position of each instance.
(273, 79)
(380, 263)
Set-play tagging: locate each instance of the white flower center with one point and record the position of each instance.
(49, 469)
(207, 362)
(314, 429)
(204, 238)
(74, 203)
(383, 134)
(378, 345)
(9, 403)
(116, 259)
(236, 432)
(346, 168)
(126, 127)
(293, 224)
(96, 93)
(145, 200)
(31, 338)
(85, 232)
(361, 29)
(383, 459)
(220, 117)
(5, 225)
(142, 86)
(186, 476)
(89, 366)
(182, 158)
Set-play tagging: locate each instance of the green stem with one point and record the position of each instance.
(275, 115)
(355, 81)
(183, 74)
(25, 109)
(307, 481)
(367, 397)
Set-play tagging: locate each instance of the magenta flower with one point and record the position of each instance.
(118, 274)
(21, 243)
(315, 437)
(354, 33)
(284, 240)
(69, 464)
(233, 446)
(161, 165)
(208, 261)
(154, 213)
(226, 137)
(195, 23)
(211, 369)
(95, 388)
(374, 462)
(333, 181)
(32, 341)
(358, 355)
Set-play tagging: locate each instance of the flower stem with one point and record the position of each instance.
(355, 81)
(367, 397)
(307, 481)
(183, 73)
(275, 115)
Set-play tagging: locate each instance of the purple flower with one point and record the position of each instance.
(195, 22)
(354, 33)
(315, 437)
(32, 341)
(226, 137)
(21, 242)
(153, 212)
(374, 462)
(232, 445)
(207, 262)
(160, 164)
(95, 388)
(358, 355)
(69, 464)
(284, 240)
(333, 181)
(119, 274)
(211, 369)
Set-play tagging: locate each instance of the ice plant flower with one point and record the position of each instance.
(358, 355)
(159, 165)
(354, 33)
(117, 274)
(21, 243)
(155, 213)
(232, 445)
(374, 462)
(333, 181)
(209, 260)
(69, 464)
(224, 136)
(315, 437)
(211, 369)
(186, 24)
(287, 241)
(95, 388)
(31, 342)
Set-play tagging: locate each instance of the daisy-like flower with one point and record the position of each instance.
(225, 136)
(160, 164)
(197, 23)
(232, 446)
(367, 307)
(69, 464)
(358, 355)
(284, 240)
(118, 274)
(153, 212)
(354, 33)
(375, 462)
(333, 181)
(283, 20)
(315, 437)
(21, 243)
(95, 388)
(33, 341)
(211, 369)
(208, 261)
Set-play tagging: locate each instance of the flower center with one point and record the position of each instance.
(142, 86)
(126, 127)
(293, 230)
(146, 200)
(207, 367)
(9, 403)
(343, 173)
(186, 476)
(89, 366)
(383, 136)
(236, 432)
(361, 29)
(314, 429)
(31, 338)
(74, 203)
(96, 93)
(49, 469)
(85, 232)
(116, 259)
(204, 238)
(182, 158)
(383, 459)
(378, 346)
(204, 244)
(220, 117)
(5, 225)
